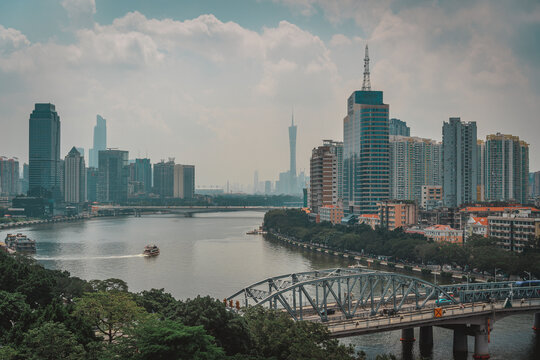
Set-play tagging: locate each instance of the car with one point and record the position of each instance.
(443, 301)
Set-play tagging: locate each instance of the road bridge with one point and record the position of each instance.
(356, 301)
(185, 210)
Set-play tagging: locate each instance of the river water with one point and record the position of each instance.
(210, 254)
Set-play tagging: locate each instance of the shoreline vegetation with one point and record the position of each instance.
(48, 314)
(397, 248)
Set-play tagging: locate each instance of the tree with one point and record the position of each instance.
(111, 284)
(111, 312)
(13, 306)
(157, 301)
(51, 341)
(155, 339)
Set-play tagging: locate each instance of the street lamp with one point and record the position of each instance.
(495, 274)
(530, 277)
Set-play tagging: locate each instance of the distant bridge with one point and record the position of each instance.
(185, 210)
(354, 302)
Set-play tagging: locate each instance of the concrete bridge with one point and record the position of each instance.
(185, 210)
(353, 302)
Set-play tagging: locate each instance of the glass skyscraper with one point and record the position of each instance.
(398, 127)
(100, 141)
(366, 178)
(44, 165)
(113, 175)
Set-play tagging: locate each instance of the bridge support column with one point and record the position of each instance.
(536, 324)
(460, 340)
(407, 335)
(426, 336)
(481, 349)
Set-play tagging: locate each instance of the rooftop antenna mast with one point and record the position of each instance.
(366, 86)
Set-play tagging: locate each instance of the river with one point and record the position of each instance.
(210, 254)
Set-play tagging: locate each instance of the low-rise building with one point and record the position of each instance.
(331, 213)
(396, 214)
(444, 233)
(514, 232)
(372, 220)
(476, 226)
(432, 197)
(484, 211)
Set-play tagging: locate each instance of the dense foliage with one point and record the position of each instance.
(478, 253)
(47, 314)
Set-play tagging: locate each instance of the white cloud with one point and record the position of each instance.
(80, 12)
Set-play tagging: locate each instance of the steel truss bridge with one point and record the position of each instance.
(356, 301)
(186, 210)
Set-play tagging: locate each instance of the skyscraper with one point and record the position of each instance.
(365, 149)
(481, 173)
(143, 174)
(255, 181)
(184, 181)
(113, 176)
(9, 176)
(74, 178)
(92, 177)
(460, 162)
(324, 175)
(292, 146)
(164, 178)
(507, 162)
(398, 127)
(44, 152)
(100, 141)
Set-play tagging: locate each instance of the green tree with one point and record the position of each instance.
(155, 339)
(13, 307)
(156, 301)
(111, 284)
(111, 312)
(51, 341)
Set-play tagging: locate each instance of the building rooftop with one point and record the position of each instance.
(496, 208)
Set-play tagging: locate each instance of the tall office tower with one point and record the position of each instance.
(366, 178)
(481, 173)
(324, 175)
(414, 162)
(74, 178)
(184, 181)
(398, 127)
(113, 175)
(143, 174)
(9, 176)
(292, 146)
(92, 176)
(100, 141)
(507, 163)
(460, 162)
(534, 184)
(164, 178)
(44, 167)
(255, 182)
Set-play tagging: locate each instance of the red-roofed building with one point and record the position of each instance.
(444, 233)
(484, 211)
(331, 213)
(476, 226)
(369, 219)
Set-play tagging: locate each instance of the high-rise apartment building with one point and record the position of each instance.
(100, 141)
(184, 181)
(44, 152)
(164, 178)
(113, 176)
(9, 176)
(534, 184)
(74, 177)
(292, 148)
(324, 175)
(143, 174)
(507, 164)
(414, 162)
(481, 172)
(398, 127)
(460, 162)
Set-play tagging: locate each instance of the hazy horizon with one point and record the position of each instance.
(213, 84)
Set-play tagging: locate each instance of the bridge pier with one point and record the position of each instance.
(460, 340)
(407, 335)
(536, 324)
(481, 348)
(426, 336)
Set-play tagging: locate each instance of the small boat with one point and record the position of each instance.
(21, 243)
(151, 250)
(258, 231)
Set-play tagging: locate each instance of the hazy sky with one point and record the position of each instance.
(212, 83)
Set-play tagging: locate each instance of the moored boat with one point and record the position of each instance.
(20, 242)
(151, 250)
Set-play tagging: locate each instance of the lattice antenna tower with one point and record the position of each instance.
(366, 86)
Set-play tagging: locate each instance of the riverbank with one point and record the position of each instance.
(373, 262)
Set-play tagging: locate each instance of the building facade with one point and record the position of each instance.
(514, 232)
(113, 176)
(44, 167)
(398, 127)
(9, 176)
(92, 176)
(100, 141)
(366, 154)
(481, 173)
(184, 181)
(444, 233)
(325, 175)
(432, 197)
(460, 162)
(507, 163)
(74, 177)
(396, 214)
(331, 213)
(164, 178)
(143, 174)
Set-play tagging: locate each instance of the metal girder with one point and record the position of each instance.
(320, 293)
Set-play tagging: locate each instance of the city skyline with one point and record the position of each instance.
(98, 55)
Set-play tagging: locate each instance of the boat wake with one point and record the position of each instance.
(69, 258)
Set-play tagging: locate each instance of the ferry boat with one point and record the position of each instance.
(151, 250)
(258, 231)
(20, 242)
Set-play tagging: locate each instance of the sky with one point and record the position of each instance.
(214, 83)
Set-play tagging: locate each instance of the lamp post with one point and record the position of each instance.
(495, 274)
(530, 277)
